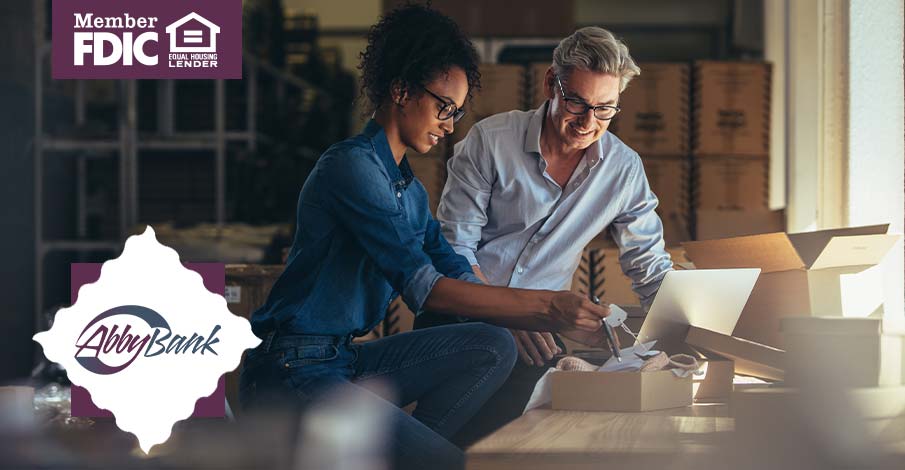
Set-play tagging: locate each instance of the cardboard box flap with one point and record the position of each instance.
(859, 250)
(831, 326)
(811, 244)
(770, 252)
(754, 359)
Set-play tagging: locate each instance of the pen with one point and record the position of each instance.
(609, 332)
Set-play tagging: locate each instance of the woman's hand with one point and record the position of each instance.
(570, 311)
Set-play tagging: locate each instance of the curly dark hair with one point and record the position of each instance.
(409, 46)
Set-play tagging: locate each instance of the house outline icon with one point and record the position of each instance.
(193, 36)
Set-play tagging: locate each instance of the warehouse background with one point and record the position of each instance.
(216, 166)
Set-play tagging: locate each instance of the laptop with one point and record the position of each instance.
(712, 299)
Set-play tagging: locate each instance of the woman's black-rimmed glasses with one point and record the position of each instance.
(449, 110)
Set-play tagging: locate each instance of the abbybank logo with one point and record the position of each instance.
(146, 323)
(110, 344)
(141, 39)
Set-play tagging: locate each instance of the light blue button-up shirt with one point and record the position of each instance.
(502, 211)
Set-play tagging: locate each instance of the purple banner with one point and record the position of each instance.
(115, 39)
(214, 277)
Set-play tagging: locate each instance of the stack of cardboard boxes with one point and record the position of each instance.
(730, 147)
(536, 74)
(503, 88)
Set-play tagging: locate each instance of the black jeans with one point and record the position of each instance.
(506, 404)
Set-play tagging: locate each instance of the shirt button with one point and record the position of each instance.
(399, 194)
(519, 269)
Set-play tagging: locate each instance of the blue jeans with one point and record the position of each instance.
(449, 370)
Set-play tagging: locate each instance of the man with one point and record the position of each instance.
(527, 191)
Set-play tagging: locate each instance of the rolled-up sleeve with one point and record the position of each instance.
(462, 212)
(638, 232)
(364, 202)
(447, 261)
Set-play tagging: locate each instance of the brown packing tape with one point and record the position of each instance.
(731, 112)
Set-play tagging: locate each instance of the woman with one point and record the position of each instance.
(365, 233)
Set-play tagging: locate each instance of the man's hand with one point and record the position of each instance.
(535, 348)
(570, 311)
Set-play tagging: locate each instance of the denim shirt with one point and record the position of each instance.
(364, 236)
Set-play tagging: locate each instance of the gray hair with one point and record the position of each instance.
(596, 50)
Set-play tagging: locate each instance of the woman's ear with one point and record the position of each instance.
(399, 93)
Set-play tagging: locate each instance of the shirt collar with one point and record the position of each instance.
(593, 154)
(402, 174)
(532, 137)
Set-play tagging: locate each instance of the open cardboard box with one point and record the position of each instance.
(713, 382)
(619, 391)
(642, 391)
(829, 273)
(750, 358)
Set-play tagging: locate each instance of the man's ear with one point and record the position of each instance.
(399, 93)
(549, 83)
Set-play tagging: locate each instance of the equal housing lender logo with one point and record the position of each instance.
(113, 39)
(147, 340)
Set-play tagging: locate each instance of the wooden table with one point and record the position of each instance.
(546, 438)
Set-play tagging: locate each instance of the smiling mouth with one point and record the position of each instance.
(583, 134)
(435, 139)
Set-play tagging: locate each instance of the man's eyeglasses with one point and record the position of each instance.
(579, 107)
(449, 110)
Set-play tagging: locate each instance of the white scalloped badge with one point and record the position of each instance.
(147, 340)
